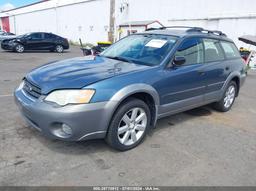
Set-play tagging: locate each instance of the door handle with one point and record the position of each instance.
(201, 72)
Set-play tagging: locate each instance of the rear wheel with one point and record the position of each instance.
(129, 125)
(228, 98)
(19, 48)
(59, 48)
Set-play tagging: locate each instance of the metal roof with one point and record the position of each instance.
(140, 23)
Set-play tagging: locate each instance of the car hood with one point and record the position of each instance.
(7, 37)
(78, 72)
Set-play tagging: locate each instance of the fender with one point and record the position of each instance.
(133, 89)
(229, 78)
(136, 88)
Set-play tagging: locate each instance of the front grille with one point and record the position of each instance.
(31, 89)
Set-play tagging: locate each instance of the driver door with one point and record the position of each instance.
(183, 86)
(34, 41)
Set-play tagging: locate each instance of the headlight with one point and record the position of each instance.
(64, 97)
(11, 42)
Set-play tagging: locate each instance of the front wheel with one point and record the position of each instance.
(129, 125)
(19, 48)
(228, 98)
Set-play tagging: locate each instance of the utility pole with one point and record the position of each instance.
(111, 21)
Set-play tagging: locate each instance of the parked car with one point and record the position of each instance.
(121, 93)
(6, 35)
(36, 41)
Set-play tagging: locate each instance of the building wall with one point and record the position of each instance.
(233, 17)
(86, 19)
(89, 19)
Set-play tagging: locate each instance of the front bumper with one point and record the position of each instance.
(87, 121)
(7, 46)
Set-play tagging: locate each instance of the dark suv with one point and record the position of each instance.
(121, 93)
(36, 41)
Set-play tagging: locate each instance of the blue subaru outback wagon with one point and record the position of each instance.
(121, 93)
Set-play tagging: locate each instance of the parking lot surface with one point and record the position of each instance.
(198, 147)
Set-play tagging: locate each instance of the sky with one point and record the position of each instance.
(7, 4)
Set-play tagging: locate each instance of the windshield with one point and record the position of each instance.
(147, 49)
(23, 35)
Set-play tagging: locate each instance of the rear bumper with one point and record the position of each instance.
(87, 121)
(66, 46)
(242, 79)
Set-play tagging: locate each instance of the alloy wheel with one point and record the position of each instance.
(59, 48)
(132, 126)
(19, 48)
(229, 96)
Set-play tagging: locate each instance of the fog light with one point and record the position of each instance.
(66, 129)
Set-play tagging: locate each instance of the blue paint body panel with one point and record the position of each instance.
(173, 88)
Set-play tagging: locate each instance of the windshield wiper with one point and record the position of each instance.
(119, 58)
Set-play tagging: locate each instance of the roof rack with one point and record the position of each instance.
(190, 29)
(173, 27)
(183, 27)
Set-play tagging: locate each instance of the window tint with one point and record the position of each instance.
(230, 49)
(192, 50)
(213, 51)
(36, 36)
(49, 36)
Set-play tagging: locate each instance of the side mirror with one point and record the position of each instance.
(29, 38)
(179, 60)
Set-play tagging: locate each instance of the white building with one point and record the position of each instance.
(73, 19)
(90, 19)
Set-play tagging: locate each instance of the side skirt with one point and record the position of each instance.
(187, 104)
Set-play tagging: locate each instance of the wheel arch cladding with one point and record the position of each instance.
(143, 92)
(237, 81)
(232, 77)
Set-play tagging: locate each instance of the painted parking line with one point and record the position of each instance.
(7, 95)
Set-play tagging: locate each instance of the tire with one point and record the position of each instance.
(124, 132)
(19, 48)
(228, 98)
(59, 48)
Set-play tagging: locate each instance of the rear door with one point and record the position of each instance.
(48, 41)
(216, 69)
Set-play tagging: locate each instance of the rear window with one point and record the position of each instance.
(213, 51)
(36, 35)
(230, 49)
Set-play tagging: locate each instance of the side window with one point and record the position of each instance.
(230, 49)
(213, 51)
(192, 50)
(48, 36)
(36, 36)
